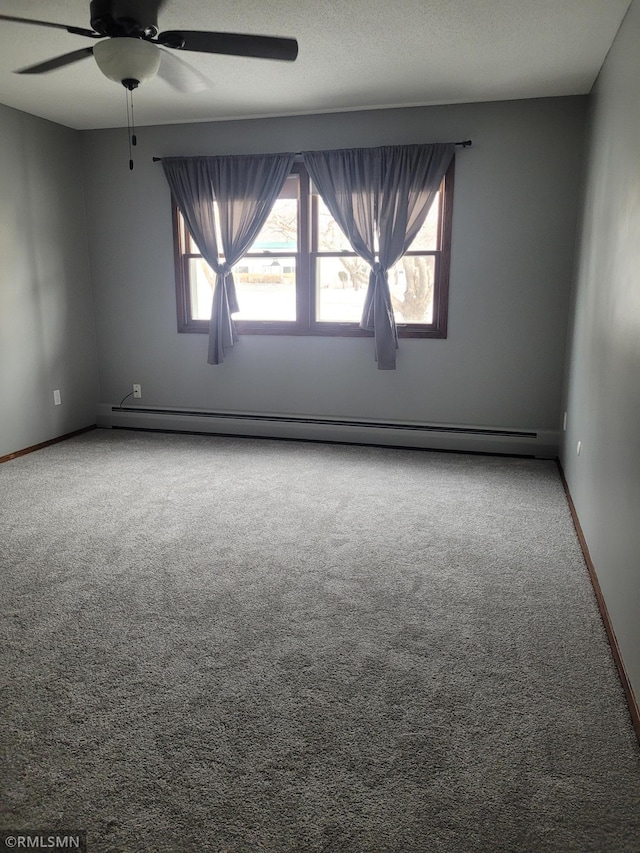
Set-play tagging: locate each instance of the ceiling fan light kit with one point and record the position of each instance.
(129, 61)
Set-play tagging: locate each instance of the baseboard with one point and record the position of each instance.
(461, 438)
(47, 443)
(634, 707)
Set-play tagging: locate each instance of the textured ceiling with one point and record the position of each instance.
(353, 54)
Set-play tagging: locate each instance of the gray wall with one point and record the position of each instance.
(603, 403)
(515, 215)
(47, 335)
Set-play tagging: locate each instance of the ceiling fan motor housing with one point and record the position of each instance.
(132, 18)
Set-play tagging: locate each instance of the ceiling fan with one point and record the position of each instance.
(130, 51)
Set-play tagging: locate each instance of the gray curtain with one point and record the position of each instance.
(245, 188)
(380, 198)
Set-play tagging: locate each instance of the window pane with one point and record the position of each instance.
(427, 237)
(411, 285)
(266, 288)
(280, 231)
(341, 285)
(330, 237)
(201, 281)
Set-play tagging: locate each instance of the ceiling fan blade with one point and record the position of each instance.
(58, 62)
(79, 31)
(180, 75)
(232, 44)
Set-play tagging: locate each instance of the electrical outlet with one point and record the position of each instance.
(137, 391)
(57, 399)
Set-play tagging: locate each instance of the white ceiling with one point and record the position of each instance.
(353, 54)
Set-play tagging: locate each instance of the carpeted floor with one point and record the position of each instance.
(245, 646)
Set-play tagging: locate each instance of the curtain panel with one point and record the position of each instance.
(380, 198)
(245, 189)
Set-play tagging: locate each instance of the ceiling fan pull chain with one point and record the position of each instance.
(129, 97)
(134, 139)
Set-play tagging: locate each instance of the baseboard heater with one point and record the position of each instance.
(315, 428)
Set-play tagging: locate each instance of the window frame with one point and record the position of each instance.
(305, 260)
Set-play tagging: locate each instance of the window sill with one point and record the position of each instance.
(333, 330)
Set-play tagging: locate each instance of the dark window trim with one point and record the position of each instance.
(305, 324)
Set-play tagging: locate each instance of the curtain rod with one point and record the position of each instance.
(464, 144)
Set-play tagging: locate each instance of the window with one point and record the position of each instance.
(301, 277)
